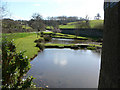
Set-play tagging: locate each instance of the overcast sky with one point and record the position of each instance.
(23, 9)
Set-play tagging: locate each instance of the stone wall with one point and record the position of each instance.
(110, 62)
(84, 32)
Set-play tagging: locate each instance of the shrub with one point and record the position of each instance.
(39, 40)
(41, 34)
(14, 67)
(47, 37)
(40, 46)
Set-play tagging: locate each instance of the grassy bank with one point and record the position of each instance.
(64, 36)
(74, 46)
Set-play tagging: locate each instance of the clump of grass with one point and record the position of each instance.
(91, 48)
(48, 33)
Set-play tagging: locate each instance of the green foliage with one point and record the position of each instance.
(10, 25)
(40, 40)
(37, 22)
(47, 37)
(14, 67)
(40, 46)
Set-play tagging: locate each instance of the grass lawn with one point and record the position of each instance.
(27, 44)
(15, 36)
(24, 42)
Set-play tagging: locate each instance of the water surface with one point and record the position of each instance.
(66, 68)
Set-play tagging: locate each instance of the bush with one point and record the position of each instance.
(41, 34)
(40, 46)
(39, 40)
(14, 67)
(47, 37)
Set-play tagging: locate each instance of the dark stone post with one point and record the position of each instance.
(110, 62)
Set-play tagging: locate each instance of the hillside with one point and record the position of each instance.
(93, 24)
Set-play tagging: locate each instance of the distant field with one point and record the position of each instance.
(93, 23)
(26, 27)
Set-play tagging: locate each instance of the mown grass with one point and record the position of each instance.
(27, 44)
(15, 36)
(24, 42)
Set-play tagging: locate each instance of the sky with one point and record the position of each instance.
(24, 9)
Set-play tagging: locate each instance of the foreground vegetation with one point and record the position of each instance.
(14, 67)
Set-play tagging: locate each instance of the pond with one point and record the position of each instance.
(66, 68)
(66, 41)
(70, 41)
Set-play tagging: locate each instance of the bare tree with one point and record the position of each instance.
(83, 23)
(54, 24)
(37, 22)
(3, 10)
(97, 17)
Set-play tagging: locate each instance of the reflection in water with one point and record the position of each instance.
(66, 68)
(61, 59)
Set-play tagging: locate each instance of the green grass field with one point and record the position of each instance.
(93, 23)
(27, 44)
(24, 42)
